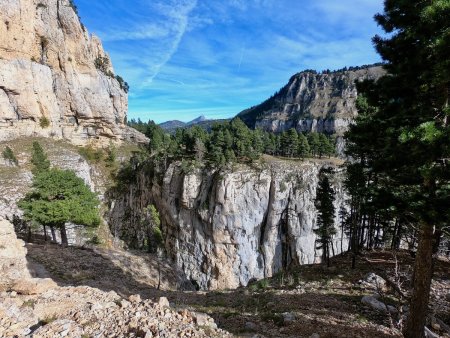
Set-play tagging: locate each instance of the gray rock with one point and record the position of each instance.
(314, 102)
(134, 299)
(374, 303)
(163, 302)
(288, 317)
(250, 326)
(214, 221)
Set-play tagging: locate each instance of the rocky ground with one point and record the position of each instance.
(99, 292)
(88, 312)
(38, 307)
(308, 301)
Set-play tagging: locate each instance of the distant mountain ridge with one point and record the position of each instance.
(202, 121)
(312, 101)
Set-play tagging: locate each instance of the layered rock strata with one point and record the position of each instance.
(55, 78)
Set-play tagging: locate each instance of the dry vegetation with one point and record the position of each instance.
(306, 300)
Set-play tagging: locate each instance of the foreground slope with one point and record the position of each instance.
(32, 307)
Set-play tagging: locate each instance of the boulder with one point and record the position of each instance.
(33, 286)
(375, 304)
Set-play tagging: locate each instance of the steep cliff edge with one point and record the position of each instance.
(225, 228)
(55, 79)
(311, 101)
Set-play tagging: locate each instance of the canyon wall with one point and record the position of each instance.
(226, 228)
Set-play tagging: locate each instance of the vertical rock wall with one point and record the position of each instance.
(13, 264)
(225, 228)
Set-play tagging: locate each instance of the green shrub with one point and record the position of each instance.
(8, 155)
(111, 154)
(44, 122)
(260, 285)
(102, 64)
(123, 85)
(91, 154)
(95, 240)
(74, 7)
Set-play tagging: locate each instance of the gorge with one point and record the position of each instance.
(223, 228)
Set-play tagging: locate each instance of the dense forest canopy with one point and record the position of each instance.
(232, 141)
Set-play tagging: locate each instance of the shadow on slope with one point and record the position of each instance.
(328, 311)
(121, 271)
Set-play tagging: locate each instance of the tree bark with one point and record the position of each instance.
(52, 229)
(29, 234)
(64, 240)
(423, 273)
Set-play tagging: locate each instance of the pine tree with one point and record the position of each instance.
(152, 223)
(410, 152)
(325, 217)
(303, 149)
(9, 156)
(156, 136)
(291, 142)
(39, 158)
(59, 196)
(325, 146)
(314, 143)
(258, 141)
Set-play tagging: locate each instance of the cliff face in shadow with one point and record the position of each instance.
(225, 228)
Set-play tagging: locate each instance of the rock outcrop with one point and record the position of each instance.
(85, 311)
(55, 79)
(13, 264)
(225, 228)
(311, 101)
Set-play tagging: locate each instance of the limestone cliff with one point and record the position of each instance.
(55, 79)
(311, 101)
(225, 228)
(13, 265)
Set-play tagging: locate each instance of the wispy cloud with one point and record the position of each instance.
(184, 58)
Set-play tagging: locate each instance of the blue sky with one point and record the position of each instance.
(185, 58)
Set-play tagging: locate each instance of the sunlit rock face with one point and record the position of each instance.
(224, 229)
(313, 102)
(13, 264)
(49, 83)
